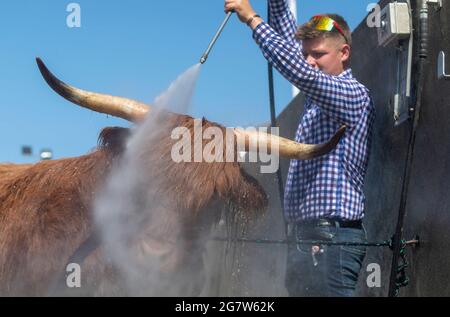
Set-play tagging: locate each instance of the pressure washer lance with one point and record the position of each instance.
(208, 50)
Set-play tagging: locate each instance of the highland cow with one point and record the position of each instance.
(46, 209)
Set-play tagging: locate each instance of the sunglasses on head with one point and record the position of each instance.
(324, 23)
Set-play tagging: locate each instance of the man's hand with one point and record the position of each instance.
(242, 8)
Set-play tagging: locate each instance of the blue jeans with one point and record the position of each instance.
(331, 272)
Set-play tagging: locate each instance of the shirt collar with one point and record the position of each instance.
(347, 73)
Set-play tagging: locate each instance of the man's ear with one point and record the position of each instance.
(346, 52)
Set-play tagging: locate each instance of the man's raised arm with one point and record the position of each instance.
(282, 20)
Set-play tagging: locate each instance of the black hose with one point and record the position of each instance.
(273, 120)
(423, 29)
(423, 55)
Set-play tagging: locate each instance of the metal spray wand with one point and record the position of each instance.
(222, 26)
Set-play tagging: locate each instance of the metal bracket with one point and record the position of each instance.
(438, 2)
(441, 67)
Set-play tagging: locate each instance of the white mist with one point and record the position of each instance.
(120, 211)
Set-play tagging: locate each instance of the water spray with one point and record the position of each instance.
(219, 31)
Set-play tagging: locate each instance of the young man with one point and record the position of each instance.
(324, 197)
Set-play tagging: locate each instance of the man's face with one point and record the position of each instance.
(327, 54)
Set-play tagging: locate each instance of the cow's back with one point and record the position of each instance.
(44, 218)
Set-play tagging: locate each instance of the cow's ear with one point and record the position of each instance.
(113, 139)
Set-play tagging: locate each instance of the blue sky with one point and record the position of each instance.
(133, 48)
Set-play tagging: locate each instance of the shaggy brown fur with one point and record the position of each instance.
(46, 210)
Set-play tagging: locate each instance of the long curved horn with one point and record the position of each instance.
(132, 110)
(124, 108)
(286, 147)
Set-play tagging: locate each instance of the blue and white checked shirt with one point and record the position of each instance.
(330, 186)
